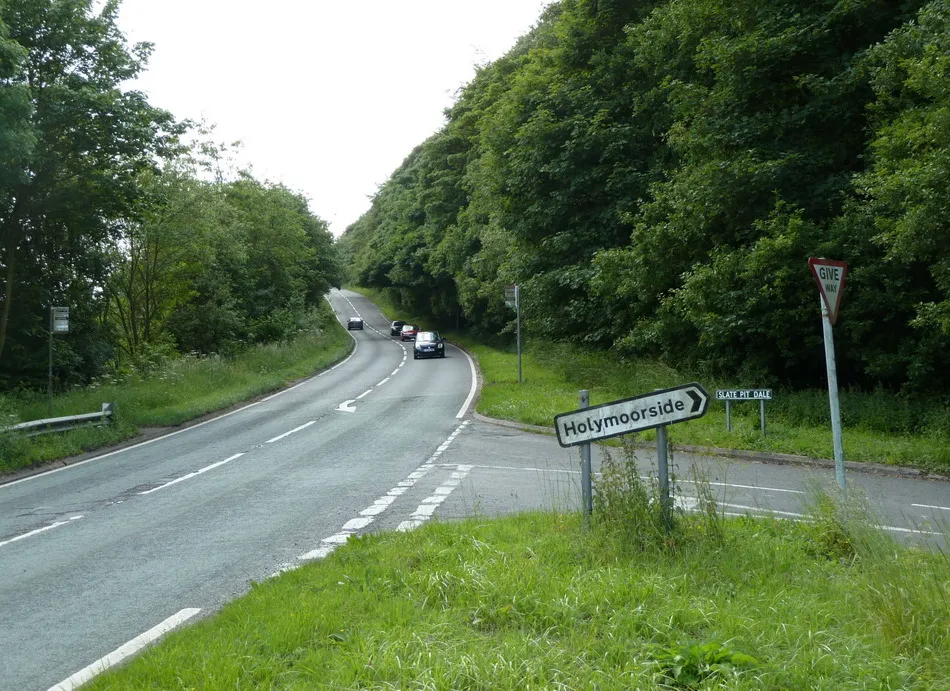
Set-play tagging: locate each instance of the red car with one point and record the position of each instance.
(408, 332)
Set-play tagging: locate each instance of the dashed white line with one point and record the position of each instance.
(368, 515)
(194, 474)
(127, 650)
(931, 506)
(287, 434)
(427, 508)
(39, 530)
(365, 393)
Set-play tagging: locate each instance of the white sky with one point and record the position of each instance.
(328, 97)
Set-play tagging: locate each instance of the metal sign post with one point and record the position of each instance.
(658, 409)
(513, 299)
(587, 492)
(830, 276)
(58, 324)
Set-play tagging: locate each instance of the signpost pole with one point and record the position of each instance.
(833, 393)
(728, 417)
(518, 320)
(49, 378)
(762, 415)
(587, 495)
(663, 470)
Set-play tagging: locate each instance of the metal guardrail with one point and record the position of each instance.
(61, 424)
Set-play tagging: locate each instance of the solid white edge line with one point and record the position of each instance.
(287, 434)
(931, 506)
(471, 393)
(39, 530)
(194, 474)
(187, 429)
(119, 654)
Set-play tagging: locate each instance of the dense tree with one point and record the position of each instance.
(64, 194)
(655, 175)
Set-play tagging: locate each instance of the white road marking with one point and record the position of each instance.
(384, 381)
(368, 515)
(427, 508)
(345, 406)
(127, 650)
(930, 506)
(194, 474)
(805, 517)
(365, 393)
(287, 434)
(355, 524)
(471, 393)
(39, 530)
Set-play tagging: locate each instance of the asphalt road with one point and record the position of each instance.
(96, 554)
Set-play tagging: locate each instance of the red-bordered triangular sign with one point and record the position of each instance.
(830, 276)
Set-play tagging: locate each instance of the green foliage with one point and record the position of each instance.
(70, 175)
(655, 175)
(689, 667)
(105, 211)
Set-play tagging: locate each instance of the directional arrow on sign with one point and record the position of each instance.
(666, 407)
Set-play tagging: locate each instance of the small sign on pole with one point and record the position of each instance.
(60, 320)
(511, 295)
(830, 276)
(730, 395)
(662, 407)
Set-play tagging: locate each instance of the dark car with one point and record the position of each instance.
(354, 323)
(408, 332)
(395, 328)
(428, 344)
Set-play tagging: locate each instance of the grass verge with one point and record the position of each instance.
(534, 602)
(181, 390)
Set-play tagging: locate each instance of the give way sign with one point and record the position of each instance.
(830, 276)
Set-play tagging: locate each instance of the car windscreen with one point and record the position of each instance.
(425, 336)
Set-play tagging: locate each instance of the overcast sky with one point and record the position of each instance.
(327, 97)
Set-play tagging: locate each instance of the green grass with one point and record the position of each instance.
(553, 374)
(534, 602)
(182, 390)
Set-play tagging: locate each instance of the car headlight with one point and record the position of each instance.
(439, 346)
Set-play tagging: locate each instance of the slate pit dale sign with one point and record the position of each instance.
(681, 403)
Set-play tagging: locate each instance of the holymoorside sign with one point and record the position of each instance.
(664, 407)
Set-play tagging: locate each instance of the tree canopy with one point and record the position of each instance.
(105, 210)
(655, 176)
